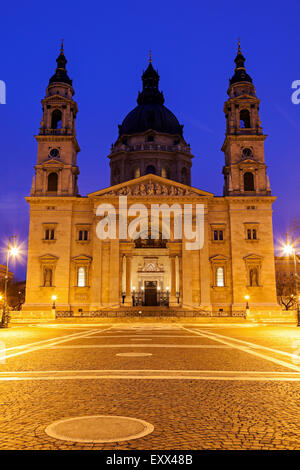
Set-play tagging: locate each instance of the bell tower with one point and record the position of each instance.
(56, 171)
(245, 170)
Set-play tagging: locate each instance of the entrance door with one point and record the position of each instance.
(150, 293)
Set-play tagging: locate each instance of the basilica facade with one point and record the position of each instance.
(151, 164)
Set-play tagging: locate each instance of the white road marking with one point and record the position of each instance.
(100, 346)
(256, 346)
(151, 375)
(246, 349)
(43, 341)
(145, 336)
(53, 342)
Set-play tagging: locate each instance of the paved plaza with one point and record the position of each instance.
(199, 386)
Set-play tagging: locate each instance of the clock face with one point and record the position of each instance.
(247, 152)
(54, 153)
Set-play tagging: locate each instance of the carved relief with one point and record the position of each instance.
(150, 189)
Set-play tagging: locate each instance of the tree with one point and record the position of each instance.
(286, 289)
(16, 294)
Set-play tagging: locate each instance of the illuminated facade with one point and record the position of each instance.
(150, 164)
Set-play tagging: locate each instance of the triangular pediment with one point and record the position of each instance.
(52, 162)
(48, 257)
(150, 186)
(219, 258)
(253, 257)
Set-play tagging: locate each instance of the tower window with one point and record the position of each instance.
(150, 138)
(83, 235)
(52, 182)
(245, 119)
(248, 182)
(218, 235)
(220, 276)
(251, 234)
(150, 169)
(49, 234)
(81, 277)
(56, 119)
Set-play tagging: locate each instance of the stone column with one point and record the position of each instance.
(173, 300)
(59, 183)
(128, 280)
(44, 180)
(95, 273)
(205, 268)
(124, 274)
(114, 273)
(187, 275)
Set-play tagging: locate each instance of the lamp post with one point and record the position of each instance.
(290, 250)
(247, 297)
(53, 298)
(168, 295)
(11, 251)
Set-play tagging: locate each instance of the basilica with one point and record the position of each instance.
(150, 164)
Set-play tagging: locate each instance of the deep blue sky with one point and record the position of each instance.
(106, 43)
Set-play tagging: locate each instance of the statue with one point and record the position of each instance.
(47, 277)
(253, 277)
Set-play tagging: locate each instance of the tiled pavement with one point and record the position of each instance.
(225, 405)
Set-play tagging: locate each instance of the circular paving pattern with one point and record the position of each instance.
(99, 428)
(133, 354)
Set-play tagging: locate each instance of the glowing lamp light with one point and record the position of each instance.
(54, 297)
(14, 251)
(167, 287)
(158, 287)
(288, 249)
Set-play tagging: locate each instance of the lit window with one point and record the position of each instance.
(220, 277)
(81, 277)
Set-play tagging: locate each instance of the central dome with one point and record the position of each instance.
(150, 114)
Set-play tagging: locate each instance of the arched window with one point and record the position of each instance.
(245, 119)
(81, 276)
(184, 176)
(248, 182)
(220, 277)
(150, 169)
(52, 182)
(56, 119)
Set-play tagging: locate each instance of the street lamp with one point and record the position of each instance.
(290, 250)
(247, 297)
(11, 251)
(53, 297)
